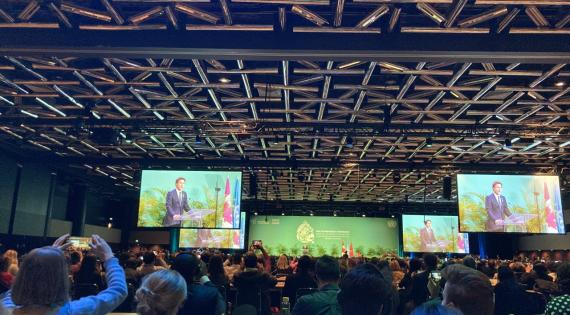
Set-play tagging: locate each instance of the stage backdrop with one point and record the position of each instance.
(217, 194)
(534, 199)
(445, 230)
(214, 238)
(317, 236)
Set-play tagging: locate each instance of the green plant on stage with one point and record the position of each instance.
(295, 250)
(335, 252)
(152, 207)
(321, 251)
(412, 239)
(281, 249)
(472, 212)
(359, 249)
(371, 252)
(380, 251)
(269, 249)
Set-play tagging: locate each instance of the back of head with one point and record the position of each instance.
(74, 257)
(188, 265)
(304, 264)
(363, 291)
(42, 279)
(435, 309)
(250, 260)
(149, 258)
(470, 262)
(468, 290)
(236, 259)
(216, 265)
(88, 265)
(327, 269)
(132, 263)
(161, 292)
(505, 273)
(540, 270)
(395, 265)
(430, 261)
(563, 277)
(415, 265)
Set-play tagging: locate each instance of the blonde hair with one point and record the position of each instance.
(12, 256)
(283, 262)
(162, 292)
(43, 279)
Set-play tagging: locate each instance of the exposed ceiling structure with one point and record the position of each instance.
(315, 16)
(307, 129)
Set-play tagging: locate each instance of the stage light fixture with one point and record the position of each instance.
(393, 216)
(508, 143)
(255, 213)
(334, 214)
(282, 213)
(429, 142)
(224, 80)
(560, 83)
(364, 215)
(276, 140)
(198, 139)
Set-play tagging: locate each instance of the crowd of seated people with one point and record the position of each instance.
(59, 279)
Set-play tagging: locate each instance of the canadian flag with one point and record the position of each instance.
(343, 248)
(550, 216)
(351, 251)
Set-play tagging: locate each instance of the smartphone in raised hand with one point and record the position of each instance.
(79, 242)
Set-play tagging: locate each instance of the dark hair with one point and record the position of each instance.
(216, 266)
(132, 263)
(430, 261)
(205, 257)
(88, 267)
(541, 271)
(435, 309)
(250, 260)
(42, 279)
(497, 183)
(149, 258)
(236, 258)
(415, 265)
(470, 262)
(304, 264)
(363, 290)
(426, 221)
(188, 265)
(179, 179)
(468, 289)
(327, 269)
(74, 258)
(563, 277)
(4, 264)
(505, 273)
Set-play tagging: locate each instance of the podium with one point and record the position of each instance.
(438, 246)
(517, 222)
(196, 216)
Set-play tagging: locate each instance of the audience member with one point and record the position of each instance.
(435, 309)
(470, 262)
(75, 258)
(363, 290)
(509, 294)
(234, 266)
(13, 262)
(89, 273)
(253, 285)
(561, 304)
(6, 278)
(283, 267)
(301, 279)
(323, 302)
(161, 293)
(202, 294)
(468, 290)
(419, 289)
(42, 284)
(397, 273)
(149, 265)
(216, 271)
(131, 272)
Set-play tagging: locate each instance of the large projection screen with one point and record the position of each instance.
(433, 234)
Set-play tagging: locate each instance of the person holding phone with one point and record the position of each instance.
(176, 204)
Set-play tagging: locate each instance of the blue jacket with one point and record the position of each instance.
(104, 302)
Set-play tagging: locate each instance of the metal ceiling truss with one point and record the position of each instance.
(377, 131)
(298, 16)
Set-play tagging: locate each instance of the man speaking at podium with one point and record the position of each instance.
(427, 238)
(176, 202)
(497, 209)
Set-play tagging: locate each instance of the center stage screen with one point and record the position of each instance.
(214, 238)
(317, 236)
(198, 199)
(434, 234)
(509, 203)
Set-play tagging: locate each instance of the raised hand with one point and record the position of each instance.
(100, 248)
(62, 242)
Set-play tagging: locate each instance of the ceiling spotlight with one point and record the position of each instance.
(560, 83)
(429, 142)
(334, 214)
(312, 214)
(349, 142)
(508, 143)
(393, 216)
(255, 213)
(276, 140)
(224, 80)
(282, 213)
(364, 215)
(198, 139)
